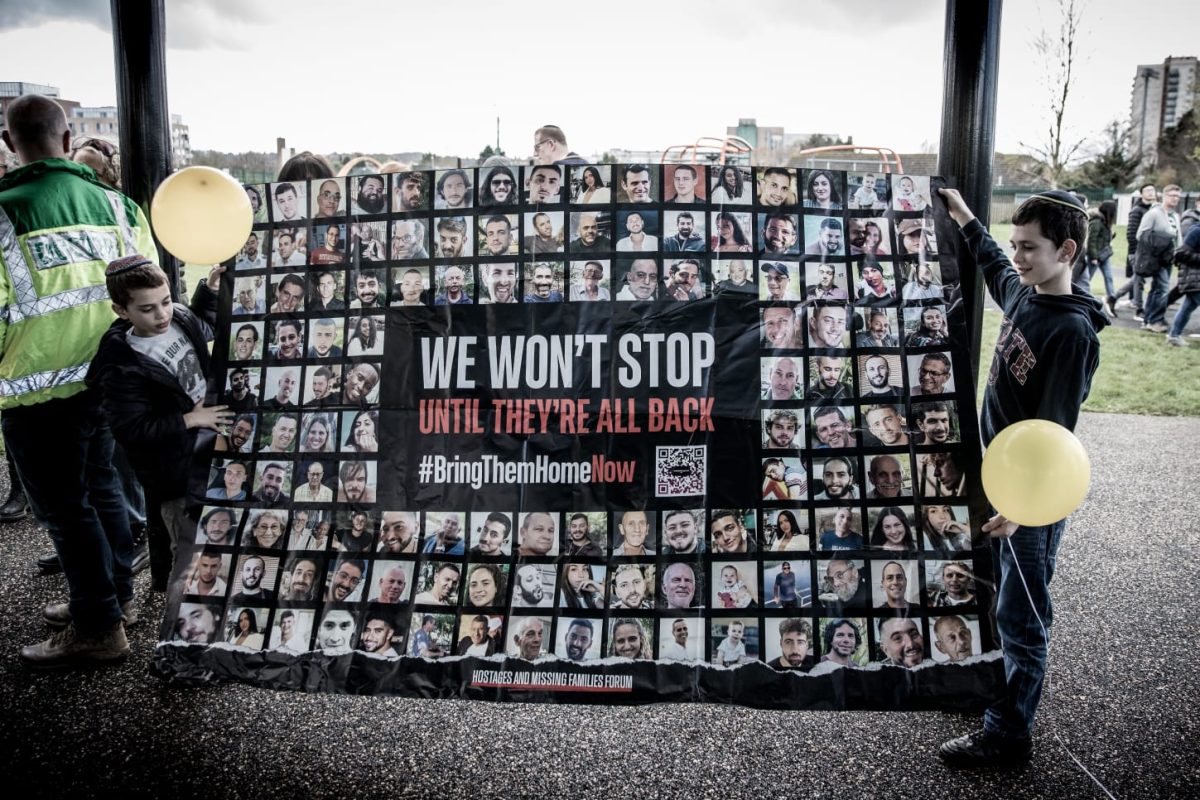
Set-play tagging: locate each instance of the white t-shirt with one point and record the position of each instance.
(676, 652)
(731, 653)
(174, 351)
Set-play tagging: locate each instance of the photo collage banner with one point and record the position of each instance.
(597, 433)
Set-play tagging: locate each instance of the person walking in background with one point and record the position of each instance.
(1187, 258)
(1099, 252)
(1158, 239)
(1190, 217)
(1142, 201)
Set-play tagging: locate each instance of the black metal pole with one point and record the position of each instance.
(139, 36)
(972, 65)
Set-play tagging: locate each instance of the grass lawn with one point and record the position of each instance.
(1139, 373)
(1001, 231)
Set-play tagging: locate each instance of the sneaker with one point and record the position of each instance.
(141, 555)
(1177, 341)
(1157, 327)
(1124, 302)
(1137, 315)
(1111, 304)
(985, 749)
(68, 648)
(58, 615)
(48, 563)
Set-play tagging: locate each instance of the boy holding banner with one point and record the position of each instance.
(1046, 354)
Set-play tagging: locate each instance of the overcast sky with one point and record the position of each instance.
(375, 77)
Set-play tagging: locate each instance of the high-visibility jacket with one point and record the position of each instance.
(59, 228)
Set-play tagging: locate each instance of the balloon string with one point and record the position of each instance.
(902, 430)
(1049, 687)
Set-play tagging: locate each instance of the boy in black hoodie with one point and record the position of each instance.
(1046, 354)
(150, 368)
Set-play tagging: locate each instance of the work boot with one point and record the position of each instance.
(986, 749)
(58, 615)
(16, 507)
(69, 648)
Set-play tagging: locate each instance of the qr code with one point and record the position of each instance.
(680, 471)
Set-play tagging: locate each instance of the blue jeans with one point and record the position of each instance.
(1083, 271)
(1024, 643)
(1156, 302)
(1133, 287)
(63, 450)
(1191, 301)
(1105, 268)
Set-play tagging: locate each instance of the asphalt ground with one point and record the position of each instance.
(1123, 698)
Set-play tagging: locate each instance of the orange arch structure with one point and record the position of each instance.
(361, 165)
(849, 157)
(710, 150)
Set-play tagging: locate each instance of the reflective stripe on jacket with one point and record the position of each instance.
(59, 228)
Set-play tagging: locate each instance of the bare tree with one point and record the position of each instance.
(1058, 51)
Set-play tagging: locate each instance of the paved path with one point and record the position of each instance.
(1125, 692)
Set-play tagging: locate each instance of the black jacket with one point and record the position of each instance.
(1099, 238)
(1188, 259)
(145, 403)
(1187, 219)
(1154, 252)
(1048, 348)
(1136, 212)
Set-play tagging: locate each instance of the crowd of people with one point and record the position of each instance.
(120, 404)
(75, 379)
(1159, 236)
(75, 382)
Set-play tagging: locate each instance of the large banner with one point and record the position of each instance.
(627, 433)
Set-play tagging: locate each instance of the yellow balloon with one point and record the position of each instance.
(1036, 472)
(201, 215)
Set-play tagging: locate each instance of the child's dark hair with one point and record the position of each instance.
(305, 165)
(1059, 219)
(128, 274)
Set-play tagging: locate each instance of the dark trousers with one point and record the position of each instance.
(131, 489)
(159, 541)
(14, 481)
(63, 451)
